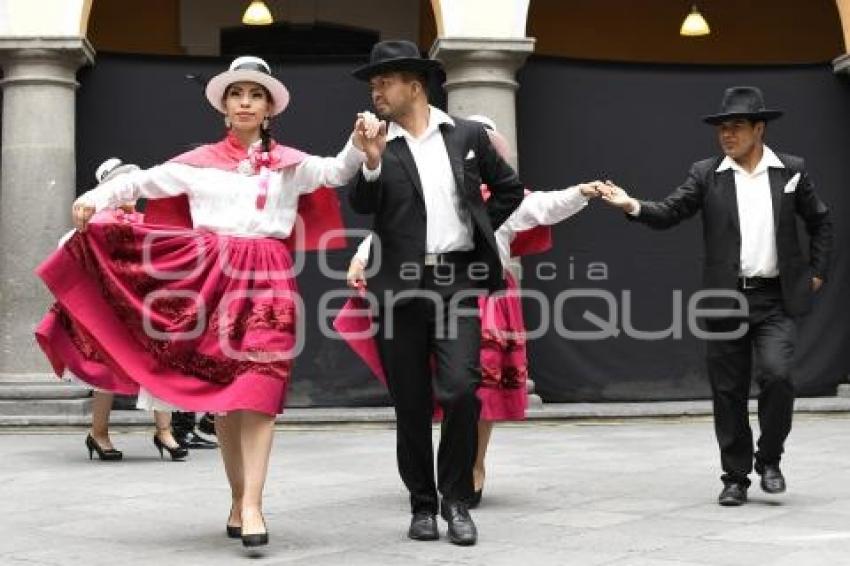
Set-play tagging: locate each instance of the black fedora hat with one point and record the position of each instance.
(395, 55)
(742, 102)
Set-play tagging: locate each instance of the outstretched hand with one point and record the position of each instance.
(618, 197)
(370, 136)
(81, 214)
(356, 278)
(591, 190)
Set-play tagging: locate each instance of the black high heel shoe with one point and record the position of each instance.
(177, 454)
(105, 454)
(233, 532)
(256, 539)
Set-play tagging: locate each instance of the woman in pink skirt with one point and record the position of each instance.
(205, 319)
(98, 440)
(504, 365)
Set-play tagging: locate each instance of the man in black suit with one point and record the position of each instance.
(749, 199)
(435, 247)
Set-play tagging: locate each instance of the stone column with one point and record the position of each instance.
(37, 184)
(481, 78)
(841, 64)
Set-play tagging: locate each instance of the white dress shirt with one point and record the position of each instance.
(759, 257)
(225, 201)
(448, 229)
(538, 208)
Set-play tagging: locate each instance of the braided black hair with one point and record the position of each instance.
(266, 133)
(266, 137)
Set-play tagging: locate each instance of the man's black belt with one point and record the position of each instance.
(749, 283)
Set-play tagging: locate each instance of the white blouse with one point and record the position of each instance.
(538, 208)
(225, 201)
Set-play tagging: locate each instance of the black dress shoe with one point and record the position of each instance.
(423, 526)
(772, 480)
(194, 441)
(733, 495)
(206, 424)
(462, 529)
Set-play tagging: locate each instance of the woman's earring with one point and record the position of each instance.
(227, 122)
(266, 123)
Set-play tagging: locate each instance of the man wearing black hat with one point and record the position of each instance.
(434, 247)
(749, 199)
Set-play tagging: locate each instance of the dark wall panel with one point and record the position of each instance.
(640, 126)
(636, 124)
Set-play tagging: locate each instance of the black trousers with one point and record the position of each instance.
(182, 422)
(766, 353)
(430, 353)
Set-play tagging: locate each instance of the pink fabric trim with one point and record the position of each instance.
(354, 324)
(319, 210)
(528, 242)
(229, 152)
(535, 240)
(502, 404)
(60, 350)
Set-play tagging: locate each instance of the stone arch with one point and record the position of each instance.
(841, 64)
(844, 16)
(84, 17)
(481, 18)
(44, 18)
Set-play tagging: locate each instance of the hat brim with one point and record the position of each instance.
(120, 170)
(219, 83)
(766, 115)
(412, 64)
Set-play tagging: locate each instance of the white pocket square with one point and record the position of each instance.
(792, 184)
(470, 155)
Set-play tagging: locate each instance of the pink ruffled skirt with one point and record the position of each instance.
(504, 363)
(201, 321)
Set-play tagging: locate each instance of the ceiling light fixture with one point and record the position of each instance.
(694, 24)
(257, 14)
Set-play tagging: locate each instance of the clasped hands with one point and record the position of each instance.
(610, 193)
(370, 137)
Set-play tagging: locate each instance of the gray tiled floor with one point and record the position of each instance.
(636, 492)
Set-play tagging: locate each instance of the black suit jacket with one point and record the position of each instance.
(397, 202)
(714, 194)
